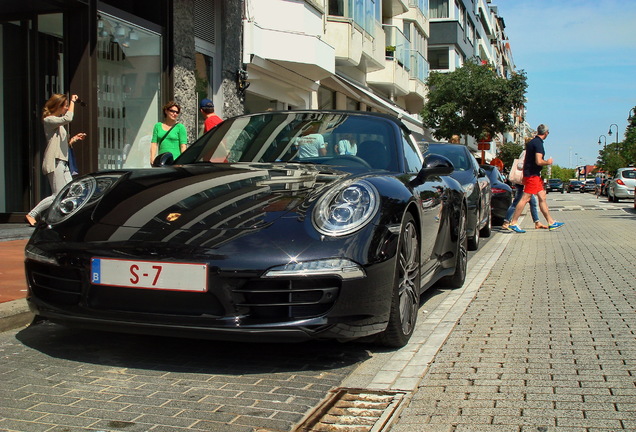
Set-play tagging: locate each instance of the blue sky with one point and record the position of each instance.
(580, 58)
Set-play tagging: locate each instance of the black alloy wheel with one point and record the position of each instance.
(473, 242)
(456, 280)
(406, 290)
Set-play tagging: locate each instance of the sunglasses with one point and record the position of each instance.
(173, 111)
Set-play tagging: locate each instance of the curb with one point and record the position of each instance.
(15, 314)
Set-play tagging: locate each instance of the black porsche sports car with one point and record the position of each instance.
(260, 231)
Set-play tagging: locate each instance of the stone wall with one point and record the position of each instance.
(232, 52)
(230, 55)
(184, 64)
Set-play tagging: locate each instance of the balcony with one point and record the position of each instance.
(295, 43)
(418, 15)
(355, 47)
(394, 78)
(417, 76)
(391, 8)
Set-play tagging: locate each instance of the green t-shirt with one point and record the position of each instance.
(173, 138)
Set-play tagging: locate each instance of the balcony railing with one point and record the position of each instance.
(364, 13)
(398, 47)
(419, 66)
(422, 5)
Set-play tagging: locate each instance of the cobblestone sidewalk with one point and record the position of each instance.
(549, 342)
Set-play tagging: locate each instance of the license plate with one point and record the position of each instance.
(159, 275)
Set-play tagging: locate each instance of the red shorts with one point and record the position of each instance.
(532, 185)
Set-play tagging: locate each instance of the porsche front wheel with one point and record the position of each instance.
(406, 288)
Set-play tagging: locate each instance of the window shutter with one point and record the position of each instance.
(204, 20)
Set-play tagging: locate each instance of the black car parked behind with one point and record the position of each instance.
(554, 185)
(574, 186)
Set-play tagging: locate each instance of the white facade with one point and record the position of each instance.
(301, 54)
(365, 55)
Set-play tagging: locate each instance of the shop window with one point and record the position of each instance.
(128, 92)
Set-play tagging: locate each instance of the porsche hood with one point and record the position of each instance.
(218, 196)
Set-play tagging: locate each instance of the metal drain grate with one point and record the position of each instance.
(353, 410)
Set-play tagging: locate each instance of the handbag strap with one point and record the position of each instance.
(163, 137)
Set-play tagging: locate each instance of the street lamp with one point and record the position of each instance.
(604, 140)
(630, 114)
(609, 132)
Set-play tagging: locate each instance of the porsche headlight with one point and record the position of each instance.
(77, 194)
(346, 209)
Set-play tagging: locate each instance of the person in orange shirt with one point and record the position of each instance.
(207, 110)
(496, 162)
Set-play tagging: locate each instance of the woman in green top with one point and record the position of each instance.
(168, 135)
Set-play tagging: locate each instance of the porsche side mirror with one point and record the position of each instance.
(434, 165)
(163, 159)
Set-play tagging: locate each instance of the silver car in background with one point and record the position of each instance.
(622, 185)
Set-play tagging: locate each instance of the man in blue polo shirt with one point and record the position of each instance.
(532, 182)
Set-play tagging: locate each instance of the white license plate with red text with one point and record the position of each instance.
(159, 275)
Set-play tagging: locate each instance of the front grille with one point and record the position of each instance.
(287, 299)
(55, 285)
(161, 302)
(254, 300)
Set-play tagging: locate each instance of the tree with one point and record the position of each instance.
(619, 155)
(472, 100)
(508, 152)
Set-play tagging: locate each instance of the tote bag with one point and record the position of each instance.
(516, 171)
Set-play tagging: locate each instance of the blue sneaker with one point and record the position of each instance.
(556, 225)
(516, 229)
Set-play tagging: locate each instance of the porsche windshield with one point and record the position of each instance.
(323, 138)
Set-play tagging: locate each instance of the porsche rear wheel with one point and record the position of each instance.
(487, 229)
(406, 290)
(473, 242)
(456, 280)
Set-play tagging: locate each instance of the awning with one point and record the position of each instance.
(378, 102)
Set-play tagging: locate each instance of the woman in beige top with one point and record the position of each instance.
(57, 113)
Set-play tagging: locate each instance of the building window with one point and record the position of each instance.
(128, 92)
(438, 58)
(439, 9)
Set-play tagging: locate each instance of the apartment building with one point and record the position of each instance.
(472, 29)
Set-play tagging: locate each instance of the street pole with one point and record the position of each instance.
(609, 132)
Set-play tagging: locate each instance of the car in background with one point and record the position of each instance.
(502, 194)
(574, 186)
(605, 185)
(554, 184)
(622, 185)
(476, 185)
(589, 186)
(245, 237)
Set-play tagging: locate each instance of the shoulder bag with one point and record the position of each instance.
(516, 171)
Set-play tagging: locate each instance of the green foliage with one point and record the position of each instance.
(508, 152)
(563, 174)
(472, 100)
(621, 154)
